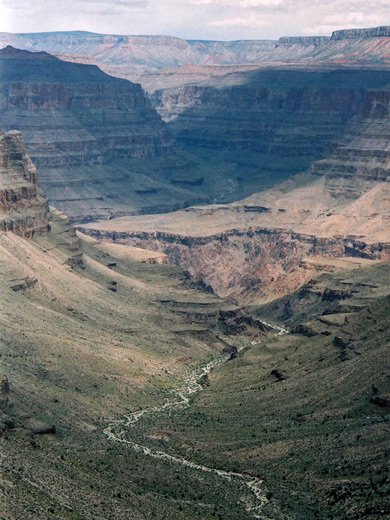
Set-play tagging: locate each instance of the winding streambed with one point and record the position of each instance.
(254, 498)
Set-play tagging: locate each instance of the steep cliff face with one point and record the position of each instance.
(361, 157)
(23, 208)
(356, 34)
(304, 40)
(100, 147)
(273, 125)
(257, 264)
(112, 114)
(365, 48)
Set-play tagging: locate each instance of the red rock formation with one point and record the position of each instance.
(247, 263)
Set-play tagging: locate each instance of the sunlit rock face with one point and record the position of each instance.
(23, 207)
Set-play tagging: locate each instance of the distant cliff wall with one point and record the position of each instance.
(354, 34)
(304, 40)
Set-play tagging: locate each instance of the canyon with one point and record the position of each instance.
(227, 230)
(100, 147)
(337, 208)
(264, 138)
(87, 331)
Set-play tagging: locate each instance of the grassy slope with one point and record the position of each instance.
(78, 354)
(313, 433)
(330, 296)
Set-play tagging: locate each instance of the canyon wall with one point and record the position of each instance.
(139, 57)
(128, 54)
(23, 207)
(103, 151)
(332, 124)
(100, 147)
(355, 34)
(274, 125)
(251, 264)
(361, 156)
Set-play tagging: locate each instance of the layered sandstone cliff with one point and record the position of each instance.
(275, 124)
(356, 34)
(23, 207)
(100, 147)
(361, 156)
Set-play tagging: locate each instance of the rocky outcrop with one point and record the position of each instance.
(354, 34)
(23, 208)
(325, 305)
(250, 263)
(381, 400)
(24, 283)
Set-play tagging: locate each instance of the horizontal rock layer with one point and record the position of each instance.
(23, 208)
(95, 139)
(362, 154)
(251, 263)
(372, 32)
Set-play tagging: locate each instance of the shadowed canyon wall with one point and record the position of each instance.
(276, 124)
(95, 139)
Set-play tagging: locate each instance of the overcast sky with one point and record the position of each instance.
(194, 19)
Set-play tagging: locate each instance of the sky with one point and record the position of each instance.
(194, 19)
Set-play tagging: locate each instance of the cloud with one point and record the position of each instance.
(350, 20)
(194, 19)
(263, 4)
(141, 4)
(250, 22)
(245, 4)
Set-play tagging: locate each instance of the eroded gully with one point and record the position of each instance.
(254, 498)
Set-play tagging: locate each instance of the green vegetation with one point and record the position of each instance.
(78, 355)
(297, 412)
(301, 413)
